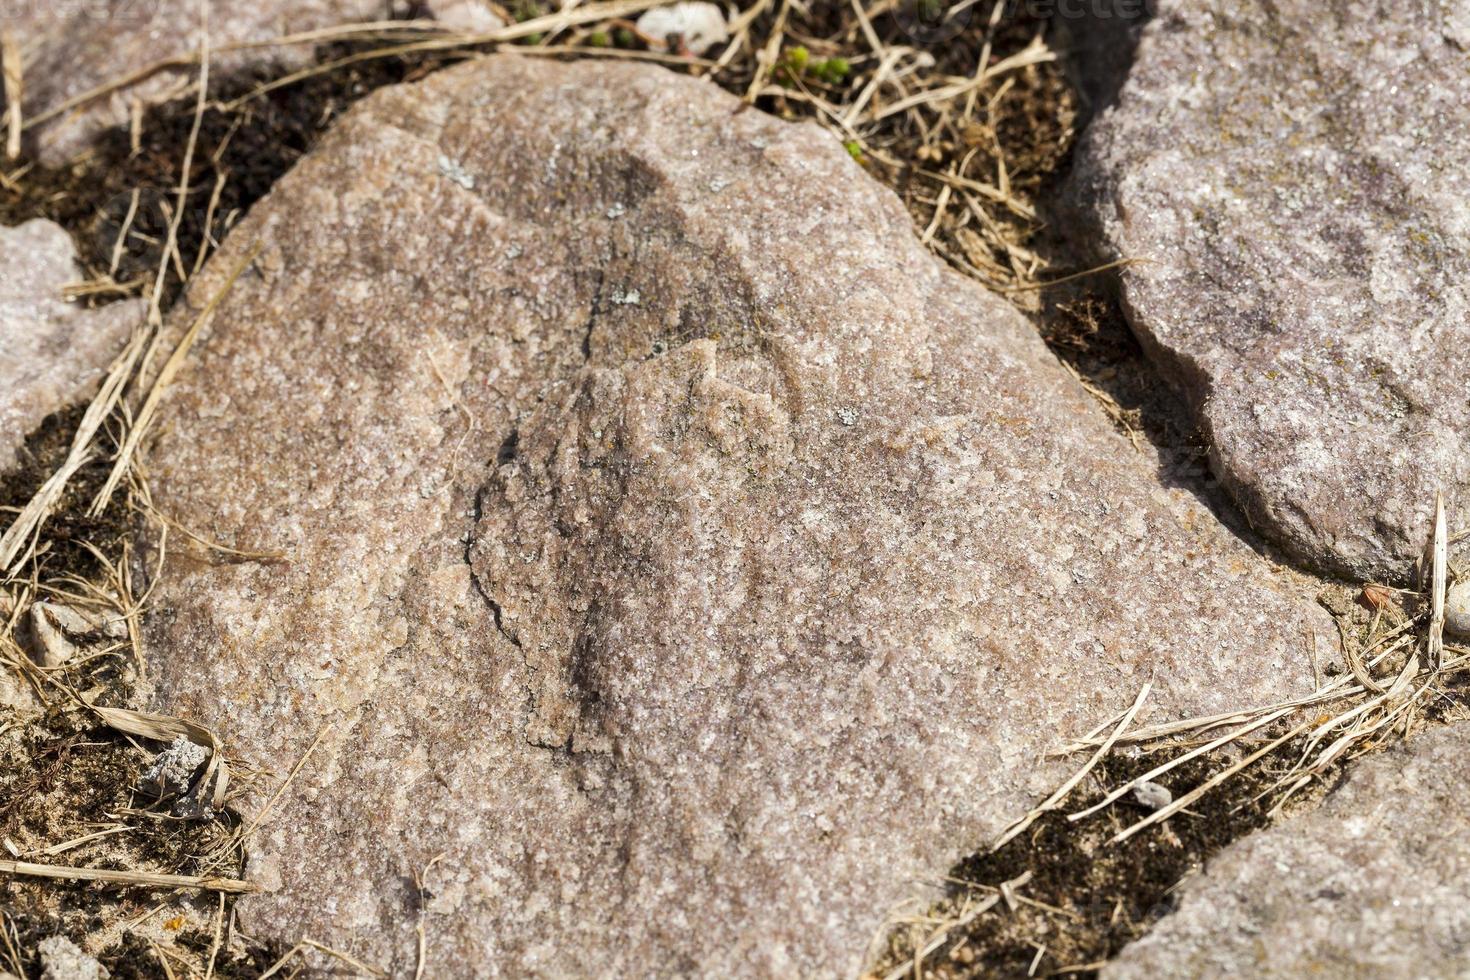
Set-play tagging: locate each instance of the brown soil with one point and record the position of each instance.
(1095, 897)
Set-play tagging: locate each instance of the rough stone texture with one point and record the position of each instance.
(676, 548)
(61, 959)
(1375, 883)
(1457, 608)
(1293, 172)
(172, 771)
(52, 352)
(72, 46)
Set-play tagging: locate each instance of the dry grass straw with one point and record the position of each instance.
(311, 944)
(1063, 791)
(934, 928)
(933, 119)
(11, 65)
(136, 879)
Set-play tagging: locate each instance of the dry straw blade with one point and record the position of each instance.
(1439, 563)
(144, 879)
(163, 728)
(1065, 790)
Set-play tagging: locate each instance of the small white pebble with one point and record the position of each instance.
(697, 23)
(847, 416)
(1152, 795)
(616, 211)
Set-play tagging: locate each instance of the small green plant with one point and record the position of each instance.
(832, 71)
(598, 39)
(623, 38)
(854, 150)
(797, 63)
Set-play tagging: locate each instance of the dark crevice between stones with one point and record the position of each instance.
(1095, 896)
(1085, 321)
(1085, 325)
(1096, 40)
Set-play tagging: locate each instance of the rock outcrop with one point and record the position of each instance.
(52, 352)
(681, 561)
(1291, 175)
(1375, 883)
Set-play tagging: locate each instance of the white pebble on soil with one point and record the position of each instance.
(699, 25)
(1152, 795)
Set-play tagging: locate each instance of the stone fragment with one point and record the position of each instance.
(52, 353)
(1374, 883)
(474, 16)
(1457, 608)
(684, 561)
(1152, 796)
(693, 26)
(62, 959)
(51, 647)
(172, 771)
(1292, 173)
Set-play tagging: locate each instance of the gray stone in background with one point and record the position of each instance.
(677, 550)
(52, 352)
(1294, 173)
(72, 46)
(1374, 884)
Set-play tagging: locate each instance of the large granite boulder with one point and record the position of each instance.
(1293, 174)
(52, 352)
(683, 559)
(1373, 884)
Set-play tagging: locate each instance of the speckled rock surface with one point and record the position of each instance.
(52, 353)
(72, 47)
(1374, 884)
(676, 548)
(62, 959)
(1293, 172)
